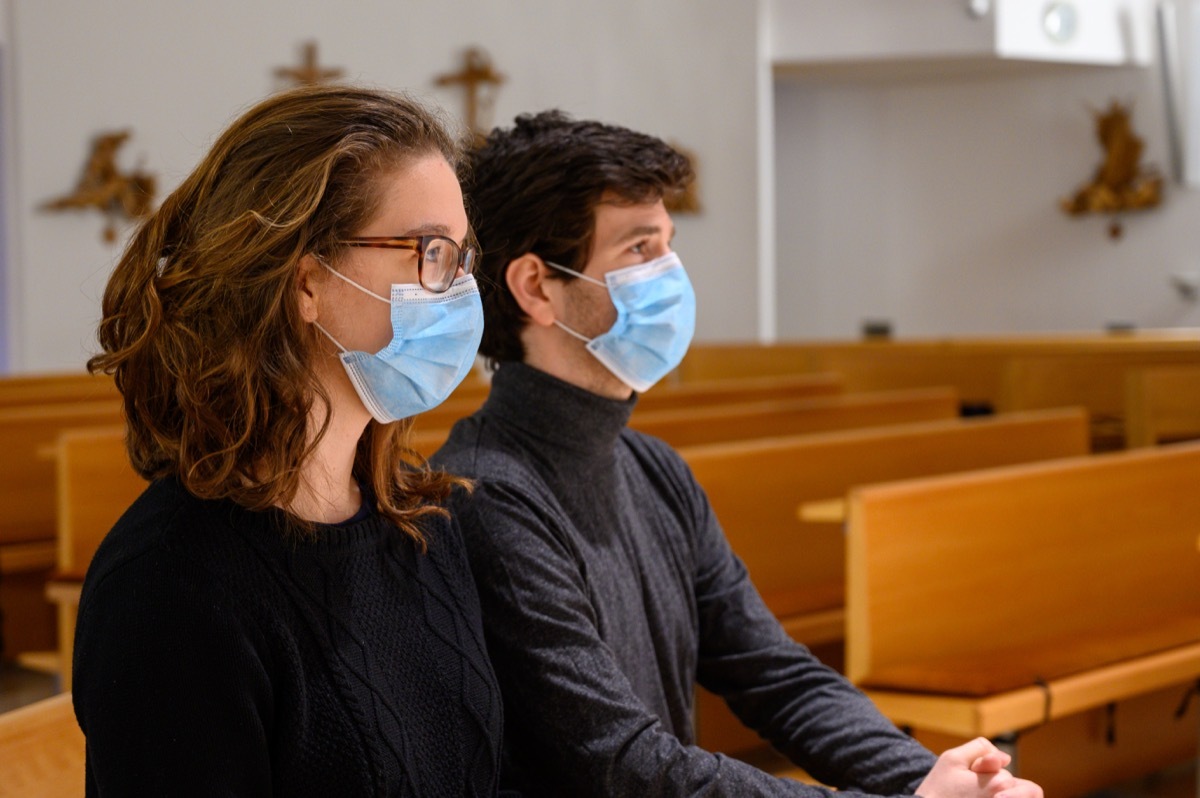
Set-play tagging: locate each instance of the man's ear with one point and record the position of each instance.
(528, 280)
(309, 282)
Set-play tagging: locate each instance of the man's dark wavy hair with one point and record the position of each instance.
(534, 188)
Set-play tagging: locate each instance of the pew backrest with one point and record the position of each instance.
(719, 423)
(975, 367)
(668, 395)
(27, 473)
(96, 484)
(1095, 380)
(977, 583)
(755, 487)
(35, 390)
(1162, 405)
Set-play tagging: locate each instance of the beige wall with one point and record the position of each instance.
(934, 203)
(177, 73)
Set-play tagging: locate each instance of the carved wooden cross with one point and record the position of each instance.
(308, 73)
(477, 71)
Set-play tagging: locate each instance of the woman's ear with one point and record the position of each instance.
(309, 281)
(528, 280)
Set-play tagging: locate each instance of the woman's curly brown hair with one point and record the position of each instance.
(201, 325)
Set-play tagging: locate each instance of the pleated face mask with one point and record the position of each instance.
(656, 318)
(434, 341)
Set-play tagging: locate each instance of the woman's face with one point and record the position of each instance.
(421, 197)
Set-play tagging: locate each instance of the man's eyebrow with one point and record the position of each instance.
(642, 230)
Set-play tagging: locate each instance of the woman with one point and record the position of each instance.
(287, 609)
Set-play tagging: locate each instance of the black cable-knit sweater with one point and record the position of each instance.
(216, 656)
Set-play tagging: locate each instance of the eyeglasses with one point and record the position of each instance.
(438, 257)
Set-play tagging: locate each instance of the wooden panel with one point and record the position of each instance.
(975, 367)
(27, 620)
(444, 415)
(96, 484)
(668, 396)
(1064, 566)
(41, 389)
(42, 749)
(27, 499)
(794, 417)
(1161, 405)
(756, 487)
(1074, 755)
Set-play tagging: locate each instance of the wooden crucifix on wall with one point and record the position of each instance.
(480, 81)
(308, 73)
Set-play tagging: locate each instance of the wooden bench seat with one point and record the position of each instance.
(42, 750)
(1001, 667)
(998, 601)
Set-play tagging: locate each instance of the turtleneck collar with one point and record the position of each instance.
(557, 412)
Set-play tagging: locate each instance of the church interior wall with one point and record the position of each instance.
(933, 204)
(929, 203)
(177, 74)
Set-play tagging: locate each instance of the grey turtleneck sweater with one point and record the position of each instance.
(608, 590)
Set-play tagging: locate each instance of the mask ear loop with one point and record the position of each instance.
(346, 279)
(317, 324)
(571, 332)
(580, 275)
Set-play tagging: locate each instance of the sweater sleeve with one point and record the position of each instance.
(169, 687)
(574, 725)
(777, 687)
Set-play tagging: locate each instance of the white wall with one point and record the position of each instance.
(177, 73)
(934, 204)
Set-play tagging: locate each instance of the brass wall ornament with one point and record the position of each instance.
(121, 196)
(1120, 183)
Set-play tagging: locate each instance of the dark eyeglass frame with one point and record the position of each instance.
(467, 255)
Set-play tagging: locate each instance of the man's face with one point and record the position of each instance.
(626, 235)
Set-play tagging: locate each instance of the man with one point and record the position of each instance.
(608, 588)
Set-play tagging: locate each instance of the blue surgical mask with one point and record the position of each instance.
(434, 340)
(656, 317)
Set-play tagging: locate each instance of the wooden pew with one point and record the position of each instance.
(689, 427)
(95, 485)
(799, 568)
(1162, 405)
(704, 393)
(1001, 601)
(976, 367)
(667, 396)
(34, 390)
(42, 749)
(28, 514)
